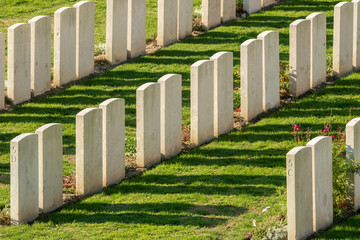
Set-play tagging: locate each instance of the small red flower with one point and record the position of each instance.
(238, 110)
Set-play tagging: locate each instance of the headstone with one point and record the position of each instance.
(299, 69)
(148, 125)
(353, 154)
(113, 141)
(167, 22)
(251, 79)
(64, 46)
(228, 10)
(271, 78)
(19, 80)
(317, 48)
(40, 54)
(343, 39)
(322, 182)
(89, 178)
(185, 17)
(2, 71)
(136, 40)
(252, 6)
(50, 166)
(116, 30)
(356, 37)
(266, 3)
(24, 182)
(299, 193)
(211, 13)
(170, 114)
(223, 93)
(202, 102)
(85, 35)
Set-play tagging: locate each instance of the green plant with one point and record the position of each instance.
(130, 147)
(237, 99)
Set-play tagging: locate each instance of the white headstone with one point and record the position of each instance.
(317, 48)
(322, 182)
(211, 13)
(19, 48)
(113, 141)
(202, 102)
(251, 79)
(252, 6)
(266, 3)
(40, 54)
(2, 71)
(343, 39)
(148, 125)
(228, 10)
(356, 33)
(50, 166)
(116, 30)
(223, 92)
(136, 40)
(85, 35)
(299, 193)
(271, 78)
(24, 182)
(89, 178)
(170, 114)
(167, 22)
(299, 69)
(64, 46)
(185, 17)
(352, 154)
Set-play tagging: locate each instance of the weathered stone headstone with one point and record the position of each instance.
(24, 181)
(270, 65)
(85, 35)
(64, 46)
(266, 3)
(202, 102)
(299, 193)
(185, 17)
(356, 37)
(116, 30)
(89, 151)
(343, 39)
(228, 10)
(211, 13)
(2, 71)
(148, 125)
(136, 31)
(40, 54)
(223, 93)
(170, 114)
(252, 6)
(50, 166)
(353, 154)
(299, 69)
(251, 79)
(322, 182)
(113, 141)
(19, 49)
(167, 22)
(317, 48)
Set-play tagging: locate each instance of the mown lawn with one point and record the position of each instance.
(347, 230)
(213, 192)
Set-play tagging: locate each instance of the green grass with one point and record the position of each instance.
(347, 230)
(213, 192)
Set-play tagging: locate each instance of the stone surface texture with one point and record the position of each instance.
(167, 22)
(228, 10)
(202, 102)
(89, 151)
(136, 31)
(19, 49)
(185, 17)
(113, 140)
(251, 79)
(343, 39)
(252, 6)
(24, 182)
(148, 125)
(322, 186)
(50, 166)
(266, 3)
(211, 13)
(223, 92)
(116, 30)
(299, 193)
(40, 54)
(2, 71)
(64, 46)
(356, 34)
(299, 65)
